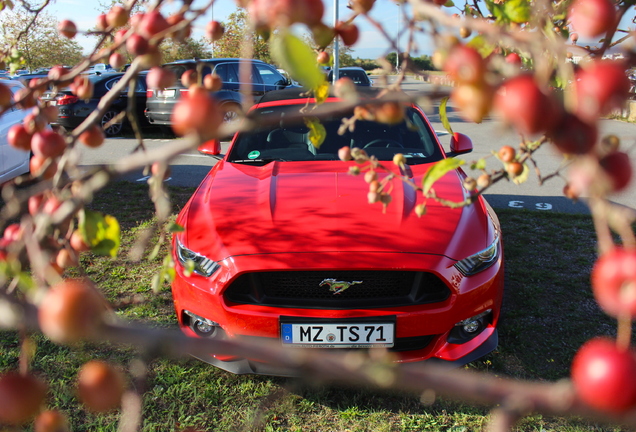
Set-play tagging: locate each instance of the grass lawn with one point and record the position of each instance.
(549, 311)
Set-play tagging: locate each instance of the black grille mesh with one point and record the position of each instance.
(303, 289)
(307, 284)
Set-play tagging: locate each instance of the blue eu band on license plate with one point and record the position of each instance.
(334, 335)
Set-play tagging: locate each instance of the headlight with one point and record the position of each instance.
(480, 261)
(195, 262)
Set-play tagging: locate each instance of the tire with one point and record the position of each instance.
(233, 112)
(114, 128)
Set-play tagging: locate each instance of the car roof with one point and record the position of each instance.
(214, 60)
(12, 82)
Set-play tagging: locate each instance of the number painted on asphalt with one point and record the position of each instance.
(538, 206)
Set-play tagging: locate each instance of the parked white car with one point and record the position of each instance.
(13, 162)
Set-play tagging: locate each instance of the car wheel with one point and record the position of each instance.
(114, 128)
(233, 112)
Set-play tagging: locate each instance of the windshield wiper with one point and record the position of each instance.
(261, 161)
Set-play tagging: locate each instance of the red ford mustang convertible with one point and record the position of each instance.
(280, 243)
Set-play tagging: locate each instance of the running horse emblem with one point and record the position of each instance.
(338, 286)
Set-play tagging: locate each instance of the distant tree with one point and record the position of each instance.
(366, 64)
(422, 63)
(236, 30)
(39, 44)
(189, 49)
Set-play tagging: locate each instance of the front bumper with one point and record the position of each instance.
(435, 321)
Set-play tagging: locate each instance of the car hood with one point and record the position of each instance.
(309, 207)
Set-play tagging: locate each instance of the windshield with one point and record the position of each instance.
(290, 142)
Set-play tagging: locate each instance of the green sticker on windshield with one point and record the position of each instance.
(254, 154)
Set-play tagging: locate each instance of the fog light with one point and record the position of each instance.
(202, 326)
(467, 329)
(472, 326)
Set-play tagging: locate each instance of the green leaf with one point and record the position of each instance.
(317, 132)
(438, 170)
(517, 10)
(479, 164)
(449, 3)
(443, 116)
(101, 232)
(496, 9)
(297, 58)
(175, 228)
(321, 93)
(481, 45)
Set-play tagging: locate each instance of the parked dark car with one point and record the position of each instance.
(264, 78)
(73, 110)
(357, 74)
(26, 78)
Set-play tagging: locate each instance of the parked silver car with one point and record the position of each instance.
(13, 162)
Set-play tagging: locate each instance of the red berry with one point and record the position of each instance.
(51, 421)
(574, 136)
(160, 78)
(67, 28)
(197, 112)
(521, 103)
(117, 16)
(100, 386)
(603, 376)
(514, 169)
(214, 30)
(614, 282)
(513, 58)
(473, 100)
(136, 44)
(20, 398)
(592, 18)
(19, 137)
(6, 96)
(349, 33)
(465, 65)
(506, 154)
(92, 137)
(600, 88)
(323, 58)
(618, 168)
(102, 22)
(152, 23)
(71, 310)
(48, 144)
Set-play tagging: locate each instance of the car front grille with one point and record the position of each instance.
(325, 290)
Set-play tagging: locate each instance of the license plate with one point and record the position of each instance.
(165, 93)
(338, 335)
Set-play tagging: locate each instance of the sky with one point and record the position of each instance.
(370, 45)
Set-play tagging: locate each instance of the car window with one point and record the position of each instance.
(269, 76)
(139, 85)
(14, 89)
(289, 141)
(358, 77)
(227, 72)
(179, 69)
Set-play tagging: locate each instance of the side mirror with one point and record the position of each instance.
(460, 144)
(212, 147)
